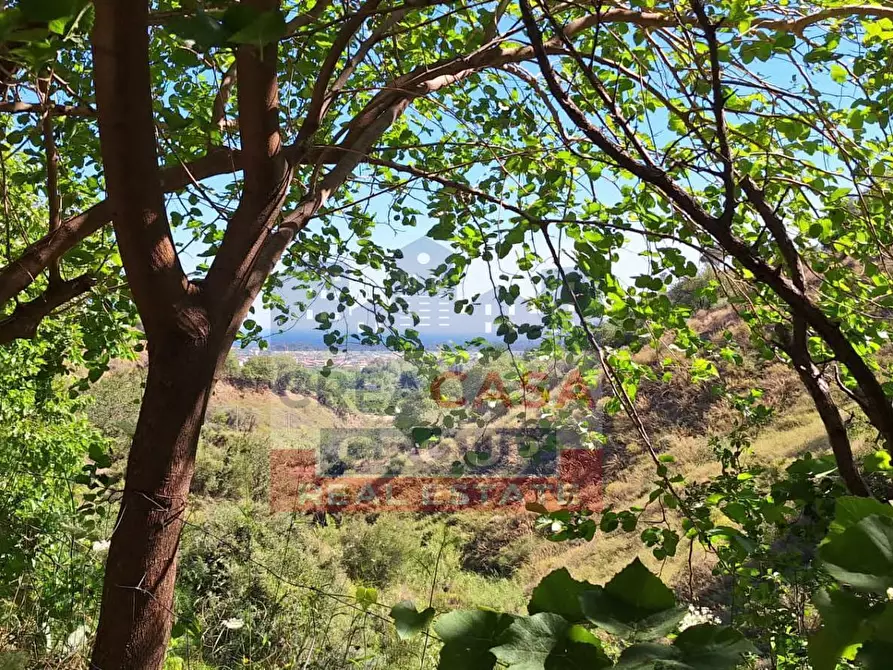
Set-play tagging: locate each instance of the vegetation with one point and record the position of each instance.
(171, 166)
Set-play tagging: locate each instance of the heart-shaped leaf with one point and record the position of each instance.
(409, 621)
(559, 593)
(634, 604)
(547, 641)
(862, 555)
(467, 637)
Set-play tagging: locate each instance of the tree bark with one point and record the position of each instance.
(136, 616)
(794, 343)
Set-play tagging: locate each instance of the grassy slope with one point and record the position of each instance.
(479, 559)
(795, 430)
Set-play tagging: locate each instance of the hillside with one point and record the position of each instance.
(281, 573)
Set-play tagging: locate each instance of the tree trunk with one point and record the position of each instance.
(838, 437)
(136, 616)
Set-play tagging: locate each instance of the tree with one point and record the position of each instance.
(757, 204)
(320, 123)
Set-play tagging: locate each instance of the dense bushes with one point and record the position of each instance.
(498, 546)
(50, 530)
(375, 554)
(266, 589)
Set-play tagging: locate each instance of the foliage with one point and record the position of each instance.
(375, 554)
(635, 604)
(855, 608)
(753, 136)
(51, 499)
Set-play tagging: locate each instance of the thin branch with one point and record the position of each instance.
(218, 108)
(718, 103)
(38, 108)
(25, 319)
(51, 156)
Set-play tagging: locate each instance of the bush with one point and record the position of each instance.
(50, 521)
(233, 459)
(374, 555)
(498, 547)
(362, 447)
(274, 372)
(697, 292)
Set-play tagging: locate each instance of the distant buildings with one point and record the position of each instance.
(437, 318)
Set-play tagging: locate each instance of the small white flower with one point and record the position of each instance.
(696, 616)
(76, 640)
(233, 624)
(890, 593)
(557, 526)
(101, 546)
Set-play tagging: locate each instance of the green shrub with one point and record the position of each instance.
(498, 547)
(375, 554)
(697, 292)
(363, 447)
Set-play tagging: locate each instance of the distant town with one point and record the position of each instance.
(317, 358)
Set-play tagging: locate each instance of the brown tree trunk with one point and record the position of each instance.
(795, 345)
(136, 617)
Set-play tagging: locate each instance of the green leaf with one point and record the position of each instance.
(99, 455)
(710, 647)
(559, 593)
(57, 26)
(580, 650)
(850, 510)
(409, 621)
(838, 73)
(649, 656)
(862, 555)
(843, 628)
(421, 434)
(477, 458)
(635, 604)
(875, 655)
(547, 641)
(879, 461)
(366, 597)
(203, 29)
(442, 231)
(529, 640)
(467, 636)
(701, 647)
(45, 11)
(267, 28)
(10, 19)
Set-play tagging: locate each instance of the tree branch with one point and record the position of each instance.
(57, 110)
(317, 108)
(218, 108)
(127, 142)
(25, 319)
(51, 156)
(795, 346)
(719, 116)
(19, 274)
(801, 306)
(267, 173)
